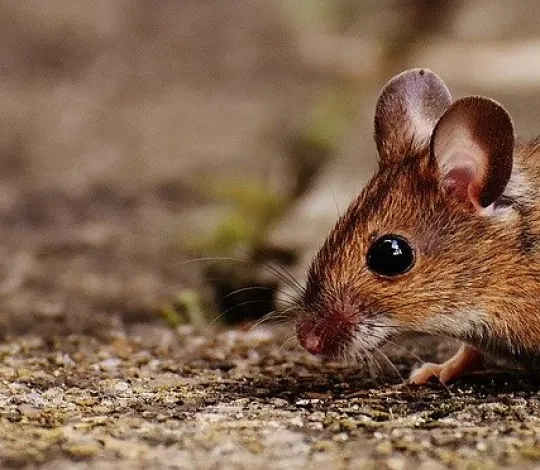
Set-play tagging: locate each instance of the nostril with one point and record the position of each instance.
(321, 339)
(310, 336)
(313, 343)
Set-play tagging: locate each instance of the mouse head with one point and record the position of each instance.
(415, 250)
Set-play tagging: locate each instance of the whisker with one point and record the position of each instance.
(287, 342)
(381, 369)
(286, 302)
(297, 348)
(338, 211)
(369, 361)
(246, 289)
(373, 376)
(300, 286)
(213, 322)
(289, 297)
(217, 319)
(278, 319)
(275, 320)
(404, 349)
(266, 317)
(287, 279)
(277, 301)
(225, 312)
(391, 364)
(272, 316)
(285, 276)
(292, 296)
(415, 356)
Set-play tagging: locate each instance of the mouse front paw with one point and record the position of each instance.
(465, 360)
(426, 371)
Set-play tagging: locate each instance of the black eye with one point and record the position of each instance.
(390, 255)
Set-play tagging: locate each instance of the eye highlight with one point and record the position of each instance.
(390, 255)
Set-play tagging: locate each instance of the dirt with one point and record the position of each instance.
(83, 263)
(147, 397)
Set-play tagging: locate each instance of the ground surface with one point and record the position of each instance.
(150, 398)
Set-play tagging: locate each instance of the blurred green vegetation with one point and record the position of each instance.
(253, 206)
(187, 307)
(242, 292)
(330, 14)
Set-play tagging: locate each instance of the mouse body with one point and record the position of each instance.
(444, 239)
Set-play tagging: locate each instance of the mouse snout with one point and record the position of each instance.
(311, 340)
(322, 337)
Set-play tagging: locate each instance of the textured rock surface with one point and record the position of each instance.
(150, 398)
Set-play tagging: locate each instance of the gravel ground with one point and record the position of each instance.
(148, 397)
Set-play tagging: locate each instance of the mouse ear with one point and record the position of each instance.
(407, 111)
(473, 146)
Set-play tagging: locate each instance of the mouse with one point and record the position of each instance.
(443, 240)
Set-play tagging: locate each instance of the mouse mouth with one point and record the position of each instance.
(349, 338)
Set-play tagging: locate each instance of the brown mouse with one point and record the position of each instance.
(444, 239)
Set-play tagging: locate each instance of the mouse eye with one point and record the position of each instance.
(390, 255)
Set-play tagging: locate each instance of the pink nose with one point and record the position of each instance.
(324, 336)
(313, 343)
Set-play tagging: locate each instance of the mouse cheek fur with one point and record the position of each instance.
(368, 337)
(462, 324)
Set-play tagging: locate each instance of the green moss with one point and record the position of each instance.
(186, 308)
(252, 207)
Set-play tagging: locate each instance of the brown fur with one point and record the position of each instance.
(476, 278)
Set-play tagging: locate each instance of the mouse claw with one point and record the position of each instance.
(465, 360)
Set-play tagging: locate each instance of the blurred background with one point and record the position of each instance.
(139, 136)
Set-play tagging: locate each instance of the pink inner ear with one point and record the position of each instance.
(462, 162)
(473, 145)
(459, 180)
